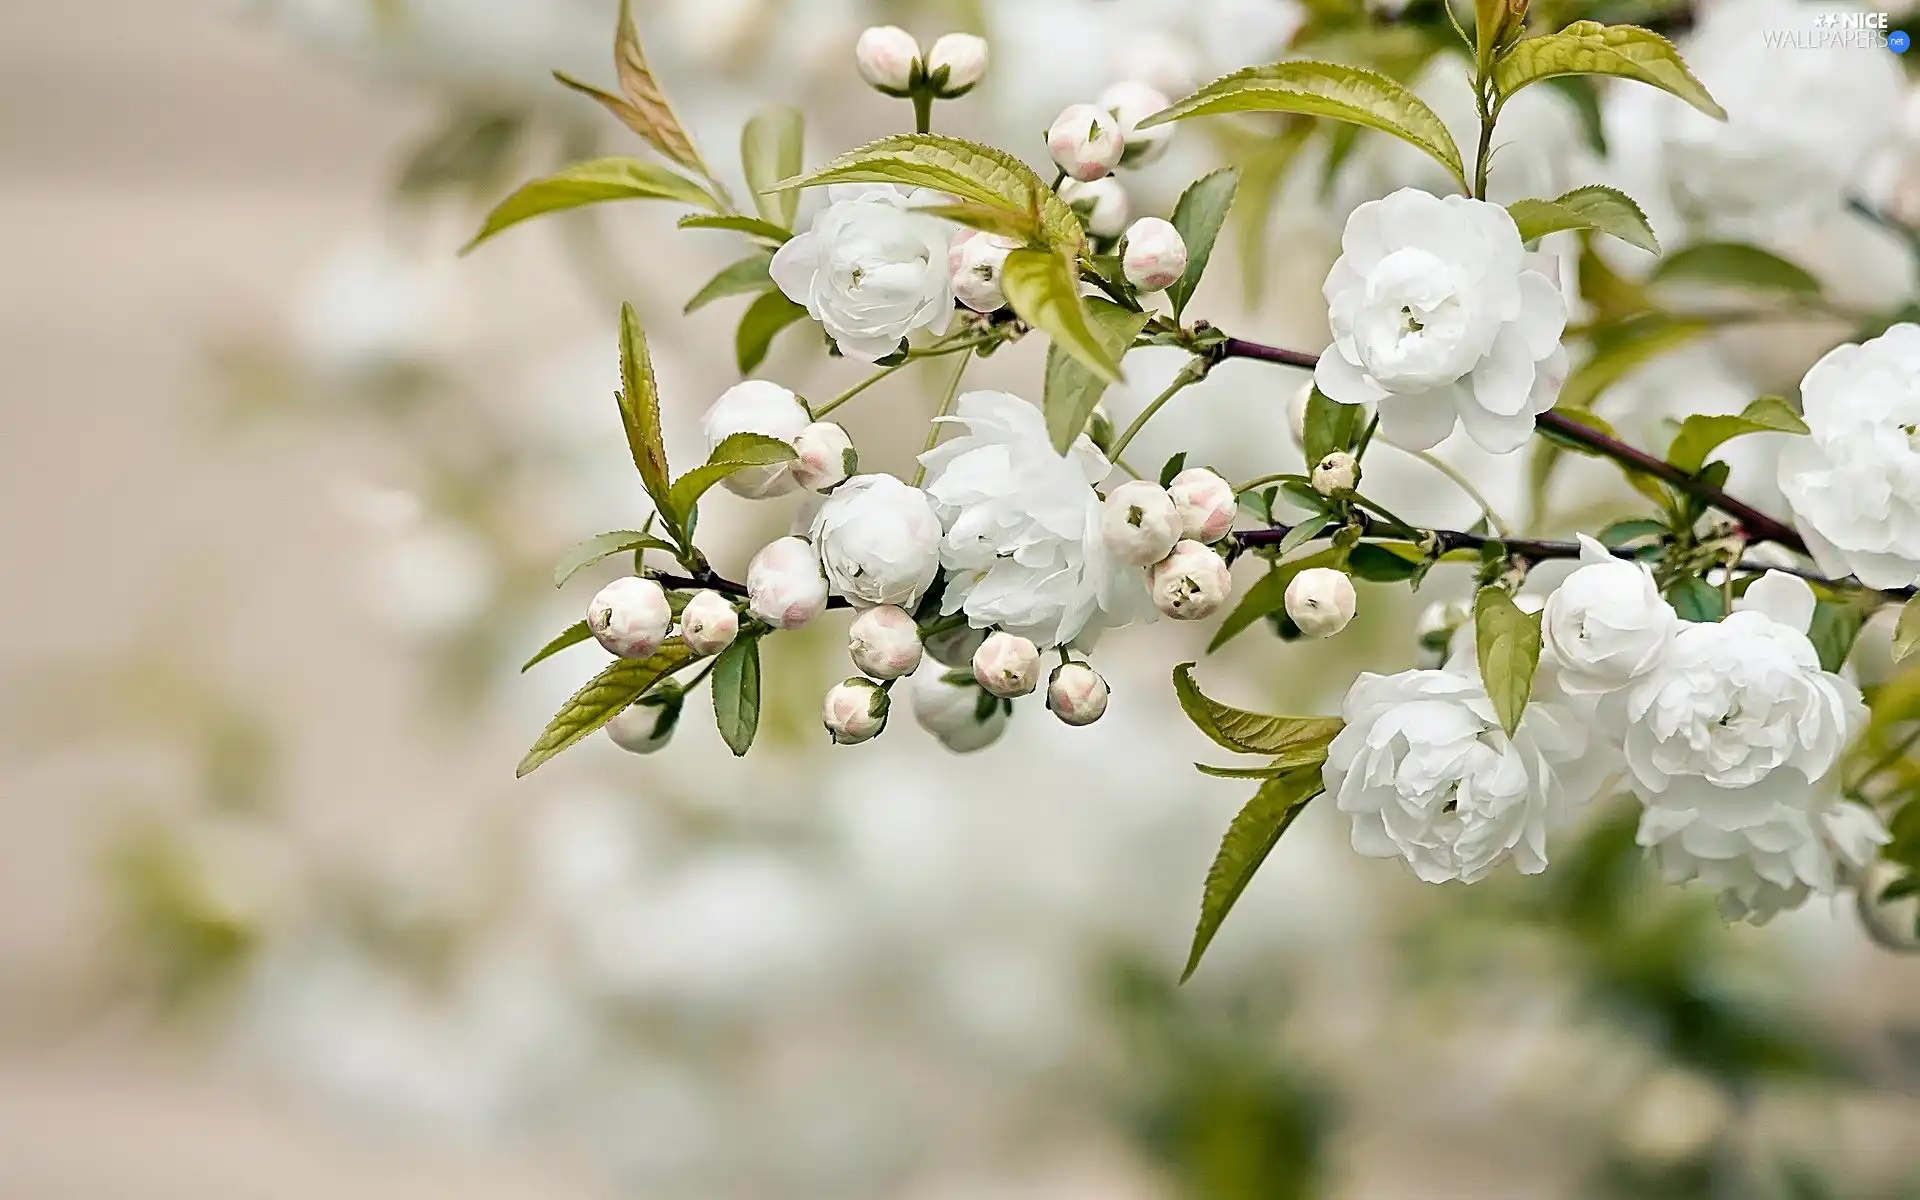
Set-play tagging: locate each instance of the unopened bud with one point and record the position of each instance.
(956, 710)
(1139, 523)
(630, 617)
(1076, 694)
(646, 725)
(1337, 474)
(1321, 601)
(709, 623)
(955, 63)
(824, 457)
(886, 56)
(1086, 142)
(1437, 624)
(1132, 102)
(1156, 255)
(1206, 504)
(1297, 413)
(1191, 583)
(976, 264)
(854, 711)
(785, 587)
(1102, 204)
(1007, 665)
(884, 643)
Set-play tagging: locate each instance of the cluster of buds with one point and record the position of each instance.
(1170, 532)
(884, 643)
(1088, 142)
(890, 61)
(630, 617)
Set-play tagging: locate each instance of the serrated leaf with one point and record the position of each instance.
(1330, 426)
(990, 218)
(751, 226)
(1604, 209)
(1701, 435)
(1626, 346)
(1042, 288)
(604, 546)
(601, 700)
(1255, 831)
(1590, 48)
(736, 694)
(1198, 216)
(771, 149)
(965, 170)
(1735, 264)
(640, 408)
(593, 182)
(764, 318)
(1694, 599)
(1246, 732)
(652, 116)
(572, 635)
(1906, 632)
(1507, 642)
(742, 278)
(1355, 95)
(738, 452)
(1268, 594)
(1072, 390)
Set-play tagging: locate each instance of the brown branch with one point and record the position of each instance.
(715, 583)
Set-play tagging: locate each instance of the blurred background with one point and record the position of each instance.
(282, 480)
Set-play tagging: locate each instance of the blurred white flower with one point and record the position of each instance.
(960, 713)
(371, 306)
(429, 580)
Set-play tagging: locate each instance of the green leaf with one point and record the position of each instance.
(1590, 48)
(572, 635)
(1268, 594)
(1342, 93)
(764, 318)
(1072, 390)
(601, 700)
(751, 226)
(1172, 467)
(1701, 435)
(1252, 836)
(990, 218)
(592, 182)
(1266, 772)
(602, 546)
(1833, 631)
(738, 452)
(1198, 216)
(1620, 533)
(1906, 632)
(770, 150)
(640, 409)
(1042, 288)
(741, 278)
(965, 170)
(1626, 346)
(1377, 563)
(736, 694)
(1735, 264)
(1246, 732)
(1330, 426)
(1507, 642)
(1604, 209)
(1694, 599)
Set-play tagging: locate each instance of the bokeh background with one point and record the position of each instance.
(281, 482)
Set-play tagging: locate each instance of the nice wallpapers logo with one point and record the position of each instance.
(1842, 31)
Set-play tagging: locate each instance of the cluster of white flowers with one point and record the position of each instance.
(1729, 733)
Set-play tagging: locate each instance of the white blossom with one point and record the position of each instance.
(709, 623)
(957, 711)
(854, 711)
(879, 541)
(1607, 624)
(885, 55)
(1139, 523)
(1007, 665)
(976, 263)
(963, 57)
(884, 642)
(824, 457)
(1101, 203)
(1155, 256)
(1086, 142)
(1427, 774)
(1854, 481)
(1205, 502)
(1076, 694)
(1191, 583)
(756, 406)
(1437, 318)
(785, 587)
(1132, 102)
(871, 269)
(1321, 601)
(630, 617)
(1337, 474)
(1023, 548)
(1734, 743)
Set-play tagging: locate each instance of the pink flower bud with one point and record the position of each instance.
(709, 623)
(1086, 142)
(1007, 665)
(1191, 583)
(885, 643)
(785, 587)
(1156, 255)
(1205, 502)
(824, 457)
(1139, 523)
(854, 711)
(1076, 694)
(630, 617)
(963, 58)
(886, 56)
